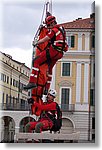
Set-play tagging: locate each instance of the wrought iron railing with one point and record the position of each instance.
(26, 107)
(16, 107)
(67, 107)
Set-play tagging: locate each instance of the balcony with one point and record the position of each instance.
(67, 107)
(15, 107)
(26, 107)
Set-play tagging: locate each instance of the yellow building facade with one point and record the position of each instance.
(13, 76)
(73, 72)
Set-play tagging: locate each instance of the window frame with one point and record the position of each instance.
(69, 41)
(62, 68)
(70, 93)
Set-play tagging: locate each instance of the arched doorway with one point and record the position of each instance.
(8, 129)
(66, 122)
(23, 122)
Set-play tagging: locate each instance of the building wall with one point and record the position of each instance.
(79, 58)
(79, 81)
(19, 73)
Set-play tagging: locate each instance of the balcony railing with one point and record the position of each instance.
(67, 107)
(16, 107)
(26, 107)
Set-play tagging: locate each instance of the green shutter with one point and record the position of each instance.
(72, 41)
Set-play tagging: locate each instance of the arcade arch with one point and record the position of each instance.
(7, 129)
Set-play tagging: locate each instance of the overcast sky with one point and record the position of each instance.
(20, 20)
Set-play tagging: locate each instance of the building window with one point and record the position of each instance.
(17, 85)
(66, 69)
(7, 79)
(11, 82)
(93, 127)
(14, 82)
(3, 96)
(94, 70)
(93, 136)
(10, 99)
(3, 77)
(83, 42)
(93, 41)
(6, 98)
(13, 101)
(71, 41)
(92, 97)
(21, 87)
(65, 98)
(22, 103)
(93, 123)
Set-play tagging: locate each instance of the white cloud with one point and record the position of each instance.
(21, 55)
(19, 25)
(21, 19)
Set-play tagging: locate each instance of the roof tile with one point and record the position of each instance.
(88, 23)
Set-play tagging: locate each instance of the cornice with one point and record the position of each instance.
(65, 83)
(79, 30)
(76, 52)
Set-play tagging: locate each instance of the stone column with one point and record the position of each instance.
(87, 41)
(86, 82)
(79, 41)
(78, 82)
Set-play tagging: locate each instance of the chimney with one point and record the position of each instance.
(92, 15)
(78, 18)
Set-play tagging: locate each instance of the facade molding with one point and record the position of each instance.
(65, 83)
(75, 60)
(78, 30)
(77, 52)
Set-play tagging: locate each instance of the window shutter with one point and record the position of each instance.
(72, 41)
